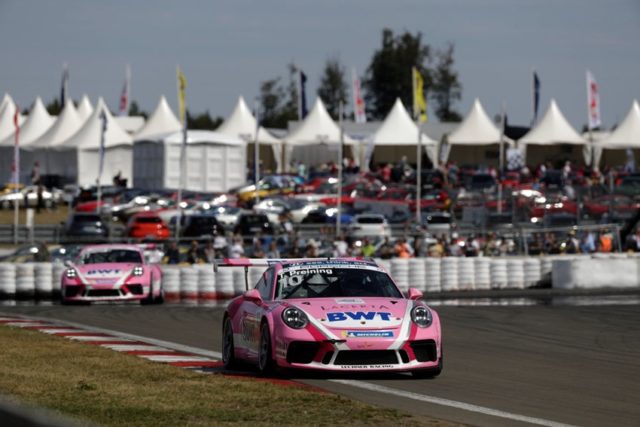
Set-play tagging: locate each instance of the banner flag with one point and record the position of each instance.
(536, 97)
(302, 97)
(419, 101)
(64, 85)
(593, 100)
(359, 111)
(103, 132)
(15, 167)
(182, 104)
(124, 96)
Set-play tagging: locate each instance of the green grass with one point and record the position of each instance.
(104, 387)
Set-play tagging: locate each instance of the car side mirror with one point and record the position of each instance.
(253, 295)
(414, 294)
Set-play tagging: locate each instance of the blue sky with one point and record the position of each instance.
(226, 48)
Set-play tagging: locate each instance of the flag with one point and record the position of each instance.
(15, 167)
(64, 86)
(536, 97)
(103, 132)
(419, 101)
(182, 102)
(593, 100)
(359, 113)
(124, 96)
(302, 96)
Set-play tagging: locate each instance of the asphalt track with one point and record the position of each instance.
(504, 365)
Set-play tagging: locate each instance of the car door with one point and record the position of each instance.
(252, 313)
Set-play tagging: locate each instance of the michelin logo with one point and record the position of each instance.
(369, 334)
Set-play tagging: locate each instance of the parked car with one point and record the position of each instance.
(200, 226)
(249, 224)
(368, 225)
(28, 196)
(82, 226)
(147, 225)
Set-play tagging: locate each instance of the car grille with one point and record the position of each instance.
(425, 350)
(103, 293)
(302, 351)
(366, 357)
(71, 291)
(135, 289)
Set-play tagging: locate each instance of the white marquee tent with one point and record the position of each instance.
(625, 136)
(7, 112)
(554, 130)
(242, 124)
(471, 141)
(84, 108)
(78, 157)
(214, 162)
(161, 122)
(316, 139)
(397, 136)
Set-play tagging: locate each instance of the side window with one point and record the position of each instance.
(264, 284)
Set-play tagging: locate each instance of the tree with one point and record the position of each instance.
(279, 103)
(134, 110)
(54, 107)
(333, 87)
(203, 121)
(389, 74)
(446, 89)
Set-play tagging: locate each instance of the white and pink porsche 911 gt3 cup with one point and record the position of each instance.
(338, 314)
(111, 273)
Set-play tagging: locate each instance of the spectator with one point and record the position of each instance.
(237, 249)
(272, 251)
(194, 254)
(402, 249)
(437, 249)
(172, 254)
(209, 251)
(385, 249)
(258, 250)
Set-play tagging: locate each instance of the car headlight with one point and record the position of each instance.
(71, 273)
(138, 271)
(421, 316)
(294, 318)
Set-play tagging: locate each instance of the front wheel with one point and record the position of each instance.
(228, 351)
(265, 361)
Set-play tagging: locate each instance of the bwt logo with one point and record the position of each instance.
(358, 315)
(103, 271)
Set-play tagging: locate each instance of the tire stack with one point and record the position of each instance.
(7, 280)
(498, 273)
(466, 273)
(400, 273)
(43, 274)
(224, 283)
(449, 274)
(171, 283)
(482, 273)
(58, 270)
(25, 281)
(255, 273)
(417, 274)
(384, 263)
(432, 274)
(532, 272)
(189, 285)
(206, 285)
(515, 273)
(239, 284)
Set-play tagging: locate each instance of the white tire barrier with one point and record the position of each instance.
(449, 274)
(532, 272)
(7, 280)
(43, 274)
(498, 273)
(58, 270)
(171, 283)
(189, 285)
(432, 274)
(417, 274)
(515, 273)
(255, 274)
(206, 284)
(482, 273)
(400, 273)
(466, 272)
(25, 281)
(384, 263)
(239, 281)
(224, 283)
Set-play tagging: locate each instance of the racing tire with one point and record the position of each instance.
(431, 372)
(229, 360)
(266, 364)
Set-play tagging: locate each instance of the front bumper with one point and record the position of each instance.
(90, 293)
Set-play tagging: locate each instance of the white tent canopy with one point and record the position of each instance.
(78, 157)
(84, 108)
(162, 121)
(214, 161)
(242, 124)
(316, 139)
(553, 129)
(627, 134)
(476, 129)
(64, 127)
(7, 112)
(35, 125)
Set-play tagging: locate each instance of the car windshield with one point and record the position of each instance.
(113, 255)
(332, 281)
(370, 220)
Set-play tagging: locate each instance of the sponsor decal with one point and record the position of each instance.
(310, 271)
(102, 271)
(339, 316)
(352, 367)
(350, 301)
(368, 334)
(354, 306)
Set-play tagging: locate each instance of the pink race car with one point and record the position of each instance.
(111, 273)
(340, 314)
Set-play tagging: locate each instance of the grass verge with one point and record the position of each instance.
(104, 387)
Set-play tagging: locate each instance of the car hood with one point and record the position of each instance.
(355, 312)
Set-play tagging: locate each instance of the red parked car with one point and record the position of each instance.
(147, 225)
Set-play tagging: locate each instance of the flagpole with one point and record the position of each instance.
(502, 129)
(16, 171)
(339, 213)
(417, 113)
(256, 148)
(103, 128)
(183, 147)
